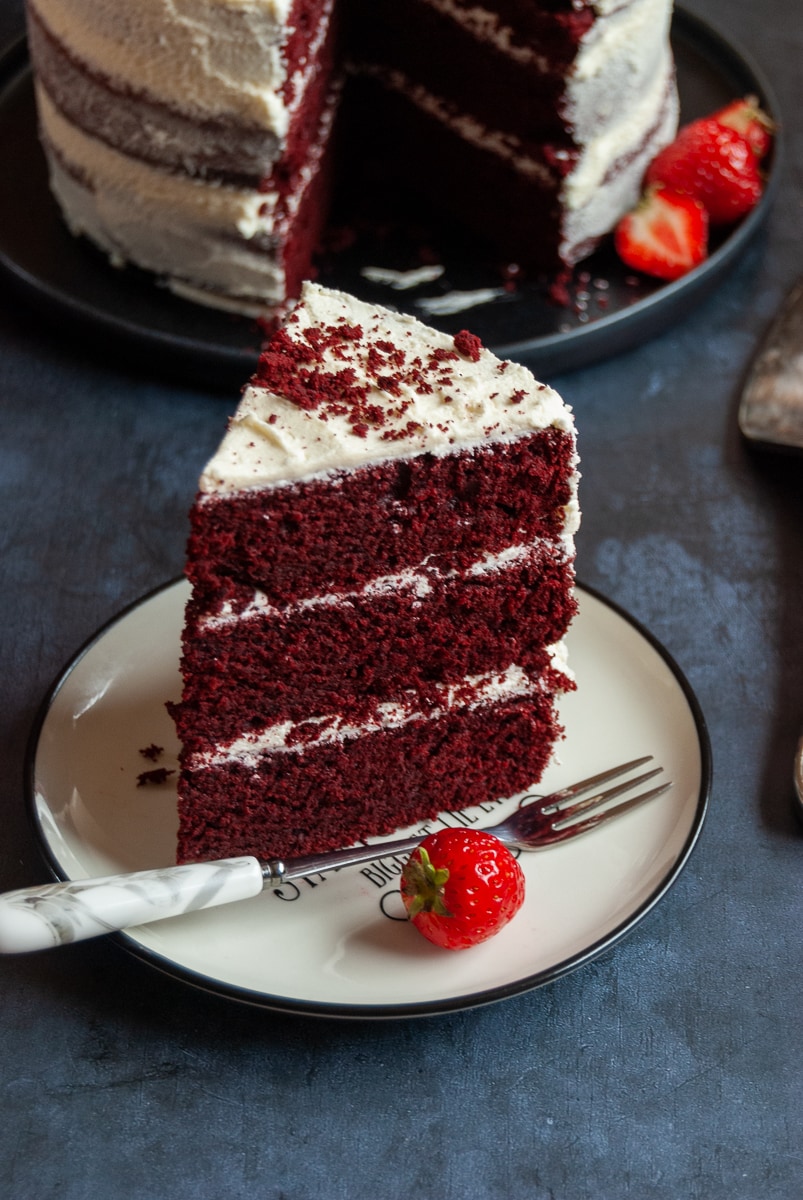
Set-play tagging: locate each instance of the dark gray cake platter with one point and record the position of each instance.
(607, 308)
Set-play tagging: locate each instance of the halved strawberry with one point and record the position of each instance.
(748, 118)
(714, 164)
(665, 235)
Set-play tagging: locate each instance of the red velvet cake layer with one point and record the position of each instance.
(349, 527)
(349, 655)
(297, 803)
(552, 31)
(521, 94)
(520, 214)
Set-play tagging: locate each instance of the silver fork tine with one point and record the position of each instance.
(573, 828)
(564, 811)
(554, 799)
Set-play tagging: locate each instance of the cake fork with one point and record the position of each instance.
(37, 918)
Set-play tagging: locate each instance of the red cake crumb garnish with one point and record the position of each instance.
(577, 24)
(152, 778)
(353, 333)
(295, 369)
(153, 752)
(330, 335)
(374, 414)
(468, 344)
(396, 435)
(441, 355)
(390, 384)
(395, 355)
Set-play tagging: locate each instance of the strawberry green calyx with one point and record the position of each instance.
(747, 118)
(423, 884)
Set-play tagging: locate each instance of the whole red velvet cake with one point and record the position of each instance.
(381, 560)
(199, 140)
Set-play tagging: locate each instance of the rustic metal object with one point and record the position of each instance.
(771, 408)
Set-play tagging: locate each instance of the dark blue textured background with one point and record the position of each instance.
(671, 1069)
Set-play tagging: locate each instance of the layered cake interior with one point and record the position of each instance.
(382, 568)
(201, 140)
(532, 122)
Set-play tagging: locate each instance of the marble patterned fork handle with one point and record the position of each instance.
(38, 918)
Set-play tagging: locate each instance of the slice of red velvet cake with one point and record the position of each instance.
(381, 559)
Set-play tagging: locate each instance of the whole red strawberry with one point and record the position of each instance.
(748, 118)
(715, 164)
(461, 886)
(665, 235)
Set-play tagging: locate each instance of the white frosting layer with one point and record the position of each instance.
(282, 738)
(418, 582)
(200, 234)
(204, 57)
(594, 209)
(271, 440)
(617, 90)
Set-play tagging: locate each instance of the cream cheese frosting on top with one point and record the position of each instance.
(221, 56)
(419, 391)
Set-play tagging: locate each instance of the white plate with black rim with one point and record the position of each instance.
(338, 945)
